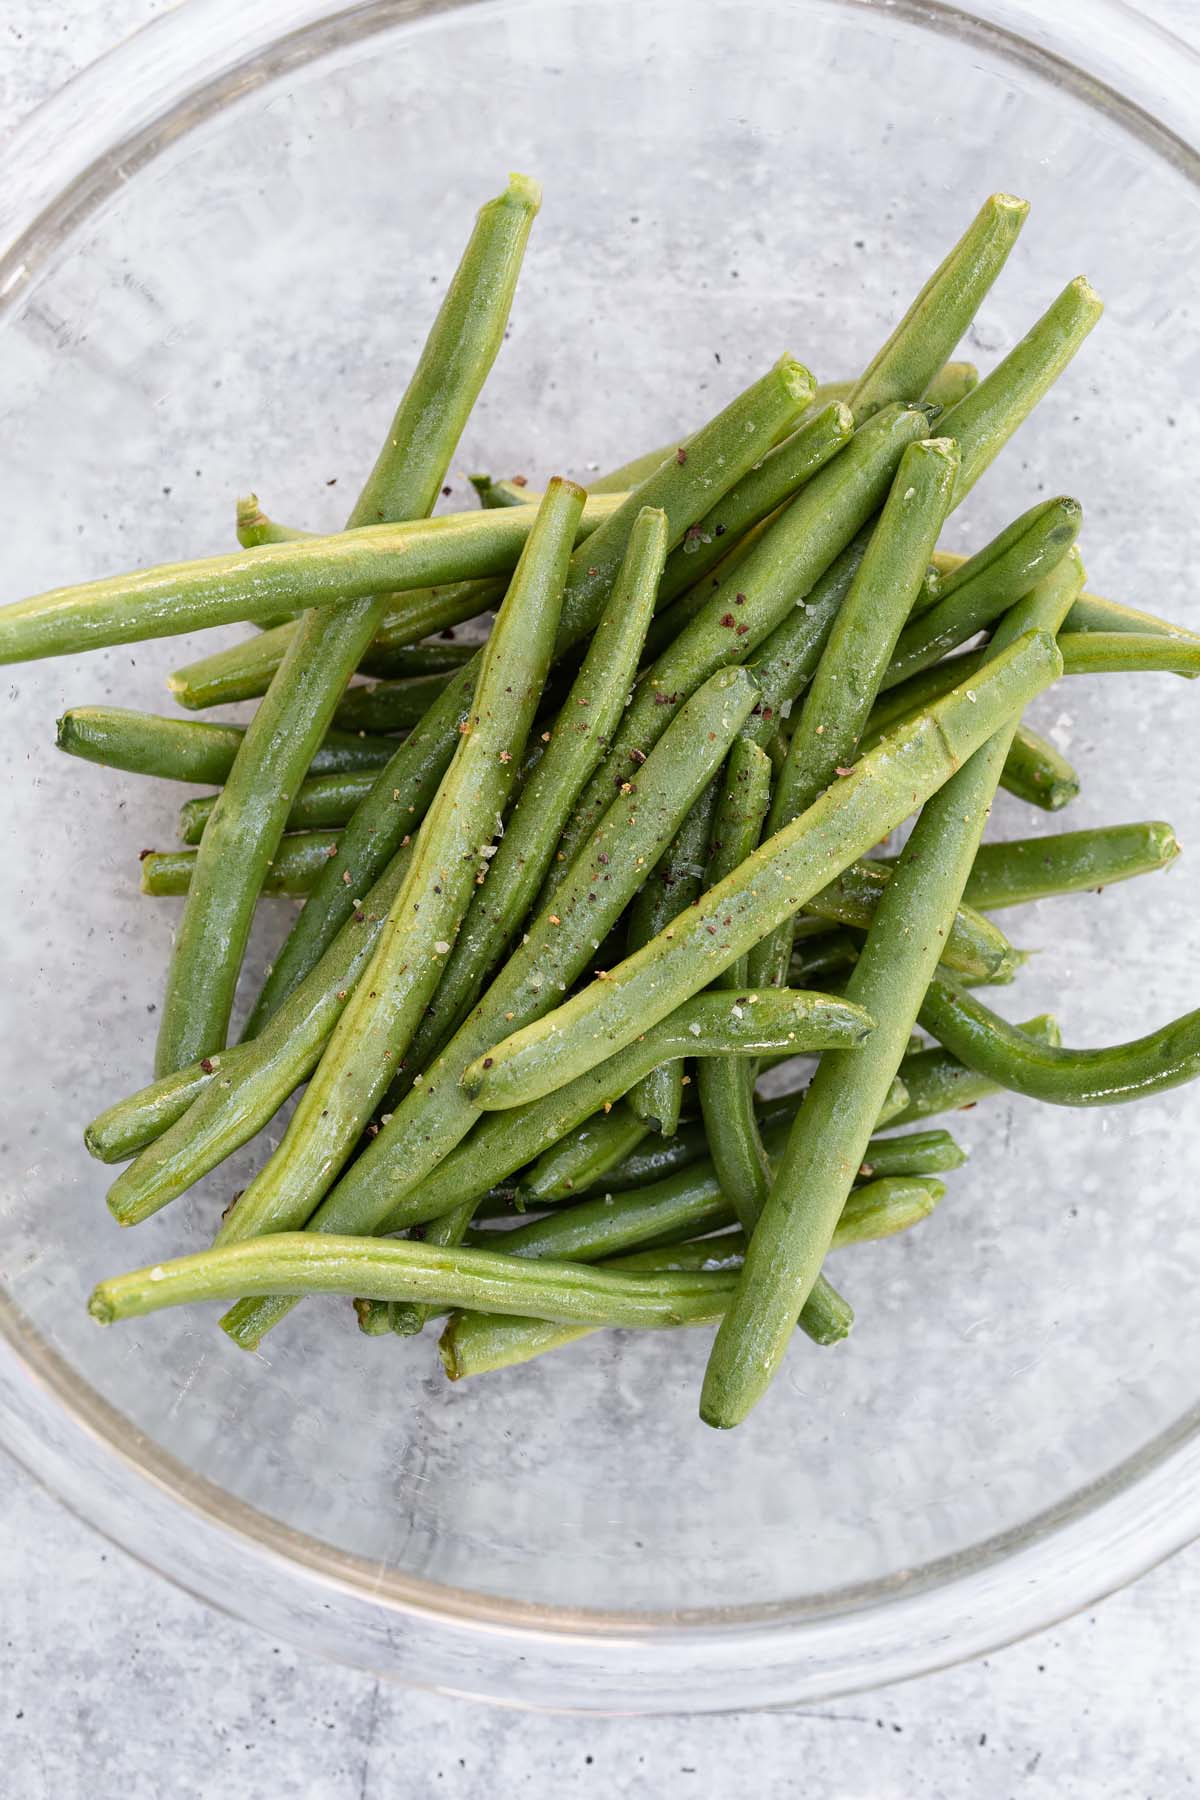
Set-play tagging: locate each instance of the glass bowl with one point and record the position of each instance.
(219, 252)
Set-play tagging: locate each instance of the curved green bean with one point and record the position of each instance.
(1003, 1053)
(936, 1082)
(718, 455)
(985, 587)
(671, 887)
(775, 882)
(322, 803)
(726, 1084)
(292, 869)
(191, 749)
(939, 316)
(555, 948)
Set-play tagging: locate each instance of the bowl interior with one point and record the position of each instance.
(721, 183)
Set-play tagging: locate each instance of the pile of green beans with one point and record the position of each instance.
(585, 890)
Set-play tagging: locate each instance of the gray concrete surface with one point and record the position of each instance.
(113, 1683)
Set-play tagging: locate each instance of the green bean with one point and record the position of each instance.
(394, 805)
(189, 749)
(717, 1024)
(864, 633)
(910, 359)
(774, 883)
(951, 383)
(414, 614)
(859, 648)
(374, 1317)
(982, 424)
(322, 803)
(582, 1157)
(671, 620)
(556, 947)
(881, 1210)
(984, 588)
(1038, 773)
(780, 474)
(974, 946)
(247, 823)
(718, 456)
(937, 1082)
(294, 1263)
(816, 958)
(292, 870)
(175, 598)
(186, 1124)
(577, 741)
(675, 882)
(1064, 1077)
(684, 1208)
(389, 706)
(254, 528)
(1024, 869)
(889, 979)
(658, 1159)
(915, 1153)
(450, 857)
(1124, 653)
(243, 671)
(726, 1084)
(786, 562)
(129, 1125)
(1033, 770)
(477, 1343)
(692, 1202)
(1091, 612)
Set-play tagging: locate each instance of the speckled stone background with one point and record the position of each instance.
(112, 1683)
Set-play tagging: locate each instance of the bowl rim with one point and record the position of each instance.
(55, 169)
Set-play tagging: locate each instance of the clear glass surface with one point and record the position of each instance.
(219, 253)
